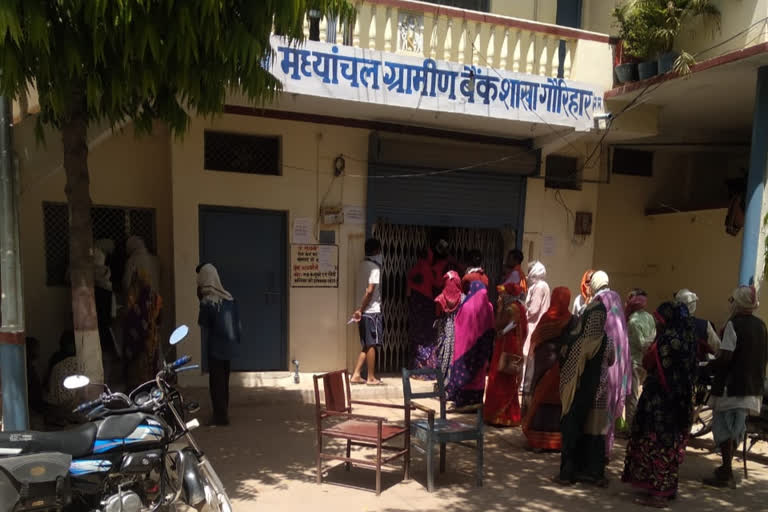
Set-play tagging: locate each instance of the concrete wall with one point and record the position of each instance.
(666, 252)
(316, 317)
(124, 171)
(546, 217)
(544, 11)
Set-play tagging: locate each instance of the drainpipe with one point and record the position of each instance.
(758, 159)
(13, 368)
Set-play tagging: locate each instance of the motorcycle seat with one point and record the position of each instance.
(76, 442)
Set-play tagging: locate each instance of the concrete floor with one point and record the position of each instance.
(266, 460)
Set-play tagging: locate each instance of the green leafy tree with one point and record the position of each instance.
(136, 61)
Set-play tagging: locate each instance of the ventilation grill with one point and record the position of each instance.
(249, 154)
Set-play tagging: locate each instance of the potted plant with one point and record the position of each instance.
(638, 39)
(667, 18)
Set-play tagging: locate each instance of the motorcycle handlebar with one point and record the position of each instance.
(88, 405)
(180, 362)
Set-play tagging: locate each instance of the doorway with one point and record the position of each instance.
(248, 248)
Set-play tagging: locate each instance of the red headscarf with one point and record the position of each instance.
(635, 303)
(420, 277)
(555, 319)
(477, 275)
(450, 298)
(585, 279)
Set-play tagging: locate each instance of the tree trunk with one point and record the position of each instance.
(85, 323)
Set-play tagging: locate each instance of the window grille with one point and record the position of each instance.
(113, 222)
(250, 154)
(400, 245)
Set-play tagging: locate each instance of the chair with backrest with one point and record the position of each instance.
(355, 429)
(433, 430)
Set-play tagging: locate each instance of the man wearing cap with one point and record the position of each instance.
(707, 339)
(739, 376)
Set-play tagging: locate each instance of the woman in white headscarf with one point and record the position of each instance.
(219, 322)
(140, 260)
(141, 318)
(537, 300)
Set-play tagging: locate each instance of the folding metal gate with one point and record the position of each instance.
(400, 246)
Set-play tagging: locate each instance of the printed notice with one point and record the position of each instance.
(326, 257)
(547, 246)
(354, 215)
(314, 266)
(302, 231)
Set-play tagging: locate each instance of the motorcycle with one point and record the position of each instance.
(127, 457)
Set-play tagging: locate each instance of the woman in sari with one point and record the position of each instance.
(586, 355)
(502, 402)
(663, 420)
(620, 374)
(541, 402)
(141, 321)
(582, 300)
(474, 329)
(447, 304)
(421, 313)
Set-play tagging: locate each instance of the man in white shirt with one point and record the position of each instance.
(739, 378)
(368, 315)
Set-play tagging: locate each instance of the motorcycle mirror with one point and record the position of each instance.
(179, 334)
(76, 381)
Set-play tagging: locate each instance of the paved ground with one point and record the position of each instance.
(266, 460)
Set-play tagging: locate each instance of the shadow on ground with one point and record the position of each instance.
(266, 458)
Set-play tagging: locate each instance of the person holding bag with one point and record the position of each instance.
(502, 402)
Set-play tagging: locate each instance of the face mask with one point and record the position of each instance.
(692, 307)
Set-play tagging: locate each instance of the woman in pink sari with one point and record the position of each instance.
(474, 334)
(620, 373)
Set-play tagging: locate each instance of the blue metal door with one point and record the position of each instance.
(248, 247)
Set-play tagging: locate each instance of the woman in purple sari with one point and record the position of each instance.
(474, 335)
(620, 373)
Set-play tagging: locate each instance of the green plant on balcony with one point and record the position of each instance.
(638, 38)
(667, 18)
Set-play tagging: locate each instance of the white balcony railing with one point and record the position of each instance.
(469, 37)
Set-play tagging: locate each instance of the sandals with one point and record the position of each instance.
(375, 383)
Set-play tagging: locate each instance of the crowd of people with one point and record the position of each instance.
(588, 369)
(128, 310)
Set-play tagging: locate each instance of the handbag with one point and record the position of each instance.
(510, 364)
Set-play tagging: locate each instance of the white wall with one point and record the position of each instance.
(546, 217)
(666, 252)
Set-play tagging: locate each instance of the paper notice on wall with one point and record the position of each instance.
(314, 266)
(354, 215)
(547, 246)
(302, 231)
(326, 258)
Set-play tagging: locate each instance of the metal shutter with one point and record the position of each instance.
(492, 196)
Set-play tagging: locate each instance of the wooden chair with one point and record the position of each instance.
(432, 431)
(356, 429)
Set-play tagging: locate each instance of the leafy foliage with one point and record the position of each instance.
(653, 25)
(145, 59)
(670, 16)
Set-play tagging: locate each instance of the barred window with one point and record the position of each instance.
(250, 154)
(113, 222)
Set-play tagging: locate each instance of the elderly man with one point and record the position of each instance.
(706, 337)
(739, 376)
